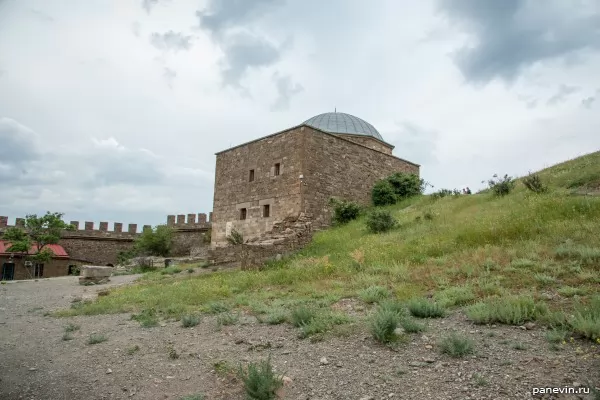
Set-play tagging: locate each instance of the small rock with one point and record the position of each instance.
(530, 325)
(417, 364)
(399, 331)
(576, 384)
(367, 398)
(429, 360)
(109, 371)
(33, 369)
(286, 380)
(323, 361)
(428, 346)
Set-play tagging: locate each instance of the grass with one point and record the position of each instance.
(67, 336)
(520, 346)
(71, 328)
(276, 317)
(514, 310)
(556, 335)
(384, 324)
(197, 396)
(480, 251)
(423, 308)
(260, 380)
(227, 318)
(96, 338)
(411, 326)
(586, 321)
(133, 349)
(457, 346)
(147, 318)
(188, 321)
(374, 294)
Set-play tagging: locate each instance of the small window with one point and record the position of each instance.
(251, 176)
(242, 213)
(266, 211)
(277, 169)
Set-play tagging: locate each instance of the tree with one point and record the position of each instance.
(155, 242)
(38, 233)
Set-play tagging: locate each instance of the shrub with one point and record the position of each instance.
(456, 346)
(423, 308)
(155, 242)
(147, 318)
(235, 238)
(216, 307)
(556, 335)
(393, 306)
(96, 338)
(514, 310)
(411, 326)
(67, 336)
(384, 324)
(190, 270)
(260, 381)
(374, 294)
(302, 316)
(197, 396)
(534, 183)
(132, 350)
(344, 211)
(380, 221)
(313, 327)
(441, 194)
(501, 186)
(71, 328)
(228, 319)
(187, 321)
(586, 321)
(383, 194)
(406, 185)
(276, 317)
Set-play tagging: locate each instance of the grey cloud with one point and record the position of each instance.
(286, 89)
(148, 5)
(169, 75)
(511, 35)
(19, 143)
(170, 40)
(244, 51)
(415, 143)
(223, 14)
(225, 20)
(561, 95)
(588, 102)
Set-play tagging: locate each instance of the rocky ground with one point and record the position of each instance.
(170, 362)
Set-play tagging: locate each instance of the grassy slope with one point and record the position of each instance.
(474, 247)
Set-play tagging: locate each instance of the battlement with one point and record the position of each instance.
(180, 221)
(193, 221)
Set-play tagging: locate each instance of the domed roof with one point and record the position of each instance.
(335, 122)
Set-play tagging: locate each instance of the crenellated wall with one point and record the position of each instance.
(101, 245)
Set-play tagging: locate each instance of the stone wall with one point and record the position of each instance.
(53, 268)
(101, 246)
(369, 142)
(335, 167)
(235, 191)
(285, 237)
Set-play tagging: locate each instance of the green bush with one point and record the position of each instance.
(501, 186)
(383, 194)
(344, 211)
(260, 381)
(147, 318)
(187, 321)
(586, 321)
(514, 310)
(96, 338)
(534, 183)
(406, 185)
(302, 316)
(411, 326)
(374, 294)
(235, 238)
(155, 242)
(423, 308)
(380, 221)
(384, 324)
(456, 346)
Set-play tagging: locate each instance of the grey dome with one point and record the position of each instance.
(335, 122)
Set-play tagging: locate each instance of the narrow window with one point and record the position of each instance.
(277, 169)
(242, 213)
(251, 177)
(266, 211)
(38, 270)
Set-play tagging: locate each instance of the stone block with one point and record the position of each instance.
(118, 227)
(170, 220)
(3, 222)
(75, 225)
(96, 271)
(191, 219)
(181, 219)
(132, 228)
(89, 225)
(104, 226)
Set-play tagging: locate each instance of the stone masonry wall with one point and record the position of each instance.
(340, 168)
(369, 142)
(234, 190)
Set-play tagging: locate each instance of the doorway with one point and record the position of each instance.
(8, 272)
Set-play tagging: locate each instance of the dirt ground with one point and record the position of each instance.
(35, 363)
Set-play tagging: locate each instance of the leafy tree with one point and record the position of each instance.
(383, 194)
(380, 221)
(155, 242)
(38, 233)
(501, 186)
(406, 185)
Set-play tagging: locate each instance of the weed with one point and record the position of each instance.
(217, 307)
(374, 294)
(556, 335)
(586, 321)
(173, 355)
(260, 380)
(456, 346)
(276, 317)
(147, 318)
(570, 291)
(514, 310)
(411, 326)
(344, 211)
(455, 296)
(228, 318)
(393, 306)
(67, 336)
(383, 325)
(188, 321)
(587, 255)
(480, 380)
(132, 350)
(423, 308)
(197, 396)
(533, 182)
(520, 346)
(302, 316)
(501, 186)
(71, 328)
(96, 338)
(190, 270)
(222, 367)
(313, 327)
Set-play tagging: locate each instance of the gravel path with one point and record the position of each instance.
(35, 363)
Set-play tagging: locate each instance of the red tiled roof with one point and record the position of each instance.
(57, 249)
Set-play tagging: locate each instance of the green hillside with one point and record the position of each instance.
(458, 250)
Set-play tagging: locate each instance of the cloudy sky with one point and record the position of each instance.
(112, 110)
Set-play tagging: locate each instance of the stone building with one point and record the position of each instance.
(297, 171)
